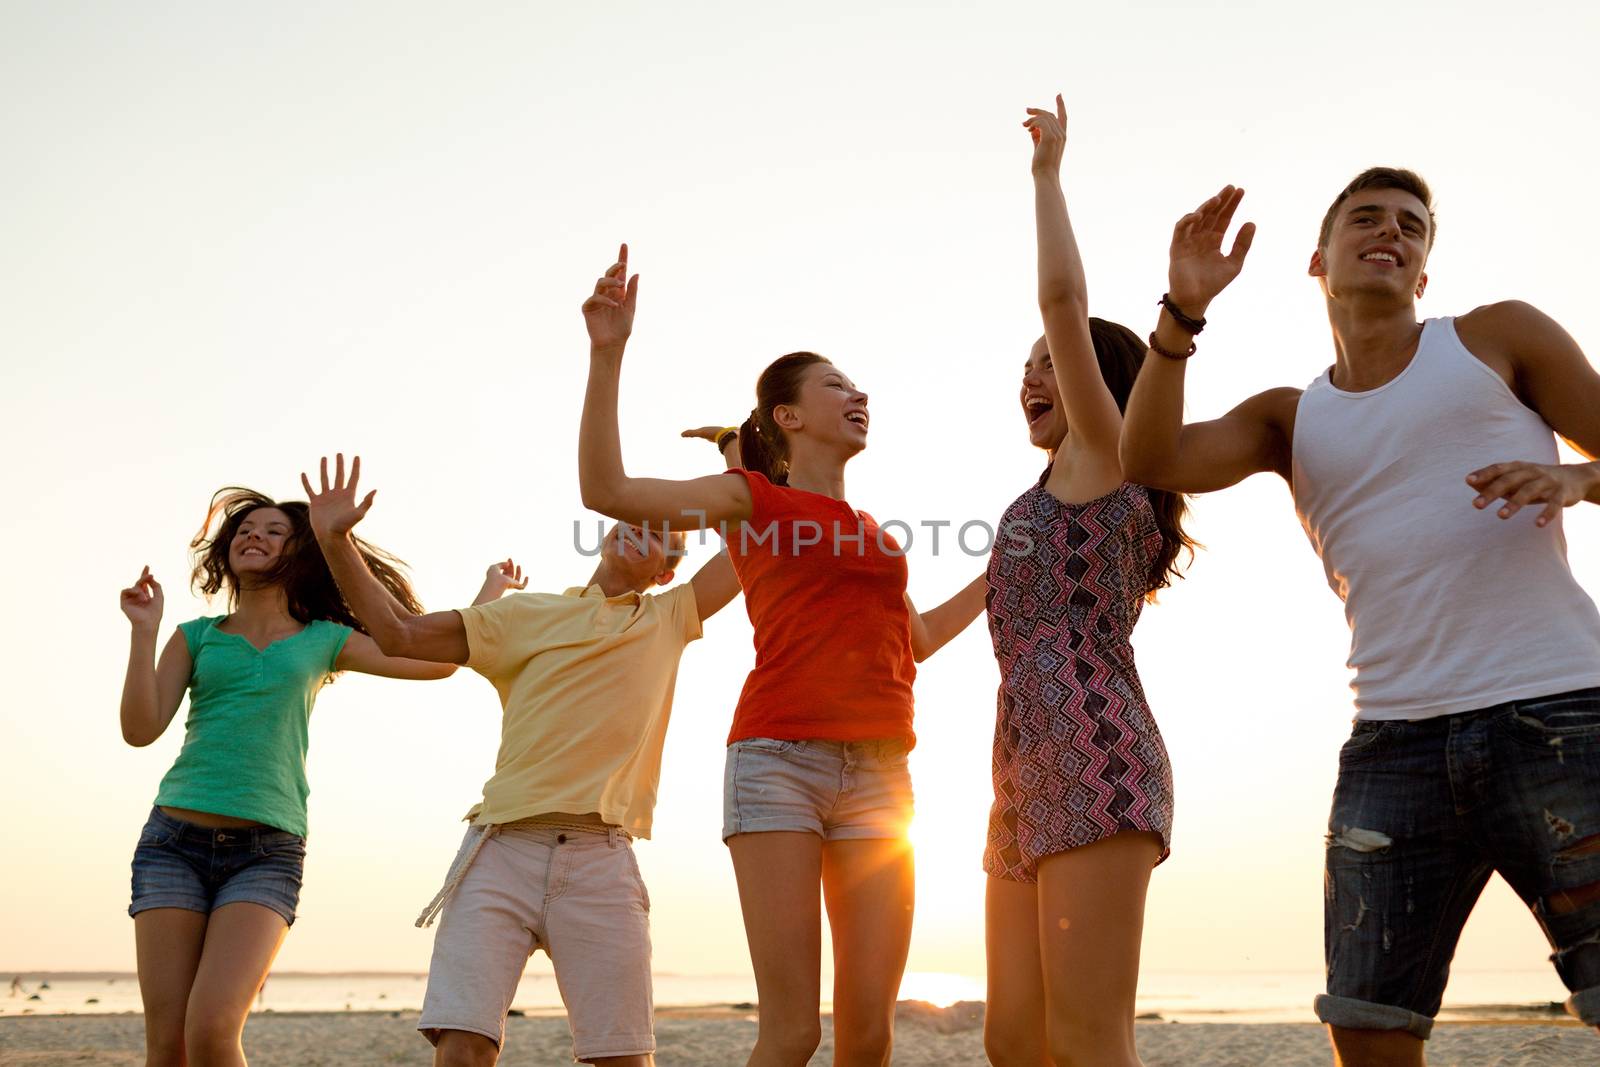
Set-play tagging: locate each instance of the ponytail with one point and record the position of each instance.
(756, 452)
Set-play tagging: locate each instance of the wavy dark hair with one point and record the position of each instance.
(1120, 352)
(762, 446)
(307, 583)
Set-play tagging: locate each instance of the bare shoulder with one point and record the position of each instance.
(1496, 331)
(1271, 413)
(1271, 405)
(1509, 335)
(1500, 316)
(1272, 409)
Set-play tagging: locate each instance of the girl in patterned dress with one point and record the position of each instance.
(1083, 787)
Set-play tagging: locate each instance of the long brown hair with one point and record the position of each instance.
(307, 583)
(1120, 353)
(762, 446)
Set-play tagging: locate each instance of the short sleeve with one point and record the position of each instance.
(684, 612)
(334, 636)
(487, 627)
(194, 633)
(766, 499)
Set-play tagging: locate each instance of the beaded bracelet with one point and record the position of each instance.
(1158, 350)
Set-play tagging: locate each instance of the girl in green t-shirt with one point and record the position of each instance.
(216, 874)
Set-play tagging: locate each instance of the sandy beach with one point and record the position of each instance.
(720, 1038)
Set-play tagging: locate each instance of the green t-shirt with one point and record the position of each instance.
(244, 742)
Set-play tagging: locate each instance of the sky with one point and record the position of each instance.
(239, 238)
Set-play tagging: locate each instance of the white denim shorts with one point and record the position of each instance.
(578, 896)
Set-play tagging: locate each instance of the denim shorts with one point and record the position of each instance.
(834, 789)
(1423, 813)
(180, 864)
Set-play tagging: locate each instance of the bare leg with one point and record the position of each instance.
(241, 941)
(1013, 1025)
(1091, 919)
(462, 1048)
(167, 942)
(778, 875)
(1375, 1048)
(870, 889)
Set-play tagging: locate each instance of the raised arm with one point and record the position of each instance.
(361, 653)
(1157, 449)
(1552, 376)
(151, 691)
(500, 579)
(931, 630)
(605, 484)
(437, 638)
(716, 583)
(1092, 415)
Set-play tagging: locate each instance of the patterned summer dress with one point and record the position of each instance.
(1077, 756)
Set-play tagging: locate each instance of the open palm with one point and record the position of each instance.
(1197, 269)
(334, 511)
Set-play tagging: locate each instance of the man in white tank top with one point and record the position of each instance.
(1424, 469)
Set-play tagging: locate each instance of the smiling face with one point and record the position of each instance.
(1377, 245)
(828, 411)
(1041, 400)
(258, 545)
(640, 559)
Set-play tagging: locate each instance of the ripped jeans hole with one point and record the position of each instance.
(1357, 839)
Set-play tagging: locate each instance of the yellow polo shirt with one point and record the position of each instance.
(585, 681)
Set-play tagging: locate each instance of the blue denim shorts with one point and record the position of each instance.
(1423, 813)
(179, 864)
(834, 789)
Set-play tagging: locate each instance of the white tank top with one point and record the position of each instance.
(1450, 608)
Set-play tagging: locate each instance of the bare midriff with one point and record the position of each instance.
(207, 819)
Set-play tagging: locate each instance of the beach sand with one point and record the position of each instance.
(925, 1037)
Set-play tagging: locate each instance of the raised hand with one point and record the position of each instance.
(1049, 133)
(608, 313)
(142, 601)
(1520, 484)
(499, 579)
(334, 511)
(1197, 270)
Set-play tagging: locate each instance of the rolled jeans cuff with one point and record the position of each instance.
(1350, 1014)
(1585, 1005)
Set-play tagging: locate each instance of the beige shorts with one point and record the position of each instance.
(576, 895)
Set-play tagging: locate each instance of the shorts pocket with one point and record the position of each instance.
(158, 831)
(638, 877)
(1366, 740)
(1565, 717)
(768, 744)
(282, 843)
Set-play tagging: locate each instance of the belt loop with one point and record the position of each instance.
(615, 835)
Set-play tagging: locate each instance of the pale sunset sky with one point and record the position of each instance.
(240, 237)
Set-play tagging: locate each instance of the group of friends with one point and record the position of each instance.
(1423, 465)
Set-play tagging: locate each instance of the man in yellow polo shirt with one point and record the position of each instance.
(586, 682)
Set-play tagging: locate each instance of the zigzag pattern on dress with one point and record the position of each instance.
(1077, 755)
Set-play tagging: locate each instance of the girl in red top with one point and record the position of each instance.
(816, 788)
